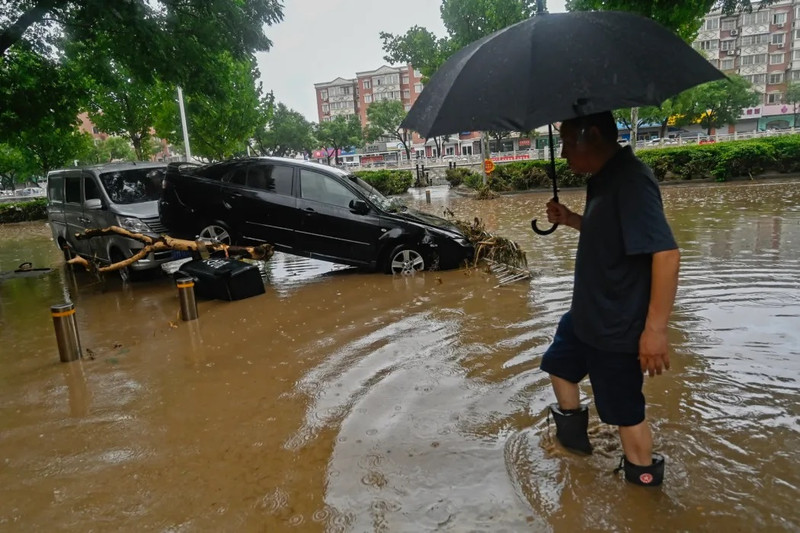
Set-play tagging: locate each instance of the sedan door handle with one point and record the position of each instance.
(309, 210)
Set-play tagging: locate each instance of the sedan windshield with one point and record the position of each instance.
(376, 197)
(134, 185)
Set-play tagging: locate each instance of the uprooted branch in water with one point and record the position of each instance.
(163, 243)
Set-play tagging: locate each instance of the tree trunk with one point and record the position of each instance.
(634, 127)
(35, 14)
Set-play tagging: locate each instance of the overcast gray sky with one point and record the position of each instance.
(320, 40)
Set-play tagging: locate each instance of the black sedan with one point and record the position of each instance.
(306, 209)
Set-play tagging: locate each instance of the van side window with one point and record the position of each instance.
(90, 190)
(322, 188)
(73, 190)
(55, 189)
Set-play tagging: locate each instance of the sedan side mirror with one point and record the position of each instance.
(359, 206)
(93, 204)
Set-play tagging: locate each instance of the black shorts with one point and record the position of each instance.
(616, 378)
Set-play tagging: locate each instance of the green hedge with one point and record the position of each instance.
(387, 181)
(721, 161)
(23, 211)
(725, 160)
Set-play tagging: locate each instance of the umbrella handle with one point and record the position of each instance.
(542, 231)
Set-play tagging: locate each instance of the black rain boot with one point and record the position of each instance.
(647, 476)
(571, 428)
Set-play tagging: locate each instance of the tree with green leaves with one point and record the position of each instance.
(219, 126)
(48, 146)
(120, 104)
(384, 118)
(339, 133)
(718, 103)
(465, 21)
(793, 99)
(35, 90)
(110, 149)
(684, 17)
(286, 134)
(15, 167)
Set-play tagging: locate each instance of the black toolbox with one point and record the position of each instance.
(222, 278)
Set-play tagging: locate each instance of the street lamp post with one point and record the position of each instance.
(183, 125)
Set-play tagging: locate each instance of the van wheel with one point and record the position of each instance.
(126, 274)
(216, 232)
(404, 259)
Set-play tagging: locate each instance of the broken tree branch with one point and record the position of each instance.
(262, 252)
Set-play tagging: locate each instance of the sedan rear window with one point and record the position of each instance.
(134, 185)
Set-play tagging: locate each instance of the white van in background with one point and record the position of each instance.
(116, 194)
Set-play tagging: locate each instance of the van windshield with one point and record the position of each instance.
(134, 185)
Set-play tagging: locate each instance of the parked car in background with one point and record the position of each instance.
(306, 209)
(120, 194)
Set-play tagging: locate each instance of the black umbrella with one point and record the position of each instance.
(553, 67)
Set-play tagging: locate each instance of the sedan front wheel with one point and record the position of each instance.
(405, 260)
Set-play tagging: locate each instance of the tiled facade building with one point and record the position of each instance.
(762, 46)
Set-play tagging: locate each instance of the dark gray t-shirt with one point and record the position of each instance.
(623, 225)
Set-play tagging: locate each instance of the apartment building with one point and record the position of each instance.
(336, 98)
(763, 47)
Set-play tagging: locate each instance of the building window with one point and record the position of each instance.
(777, 38)
(417, 88)
(755, 39)
(727, 45)
(406, 94)
(779, 18)
(774, 98)
(325, 108)
(323, 94)
(728, 24)
(712, 24)
(709, 45)
(405, 79)
(367, 84)
(407, 107)
(367, 98)
(795, 55)
(795, 75)
(756, 79)
(759, 17)
(417, 73)
(776, 59)
(726, 64)
(757, 59)
(797, 34)
(776, 77)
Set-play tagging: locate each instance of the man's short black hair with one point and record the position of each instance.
(604, 122)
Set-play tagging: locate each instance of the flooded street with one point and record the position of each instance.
(345, 401)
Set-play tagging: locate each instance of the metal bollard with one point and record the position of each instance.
(427, 196)
(69, 343)
(186, 296)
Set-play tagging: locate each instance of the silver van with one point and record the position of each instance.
(114, 194)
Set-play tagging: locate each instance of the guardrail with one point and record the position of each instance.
(542, 153)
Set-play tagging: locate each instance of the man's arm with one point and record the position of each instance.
(560, 214)
(653, 355)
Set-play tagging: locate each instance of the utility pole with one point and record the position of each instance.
(183, 124)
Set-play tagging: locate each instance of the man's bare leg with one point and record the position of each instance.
(637, 443)
(566, 393)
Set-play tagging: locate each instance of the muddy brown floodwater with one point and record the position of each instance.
(344, 401)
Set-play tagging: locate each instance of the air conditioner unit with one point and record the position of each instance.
(734, 31)
(731, 52)
(780, 26)
(780, 45)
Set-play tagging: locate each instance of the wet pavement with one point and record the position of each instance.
(346, 401)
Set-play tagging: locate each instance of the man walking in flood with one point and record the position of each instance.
(626, 276)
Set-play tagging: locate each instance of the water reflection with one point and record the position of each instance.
(348, 401)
